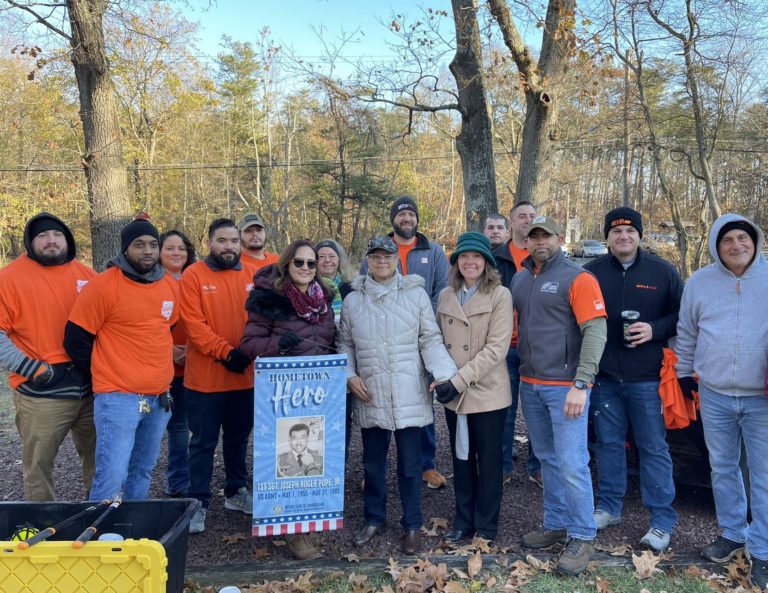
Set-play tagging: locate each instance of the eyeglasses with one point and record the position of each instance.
(299, 263)
(382, 258)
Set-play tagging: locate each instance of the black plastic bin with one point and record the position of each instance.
(166, 521)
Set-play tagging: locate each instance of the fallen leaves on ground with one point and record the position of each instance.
(603, 585)
(233, 538)
(645, 564)
(474, 565)
(435, 523)
(261, 552)
(539, 565)
(619, 550)
(351, 558)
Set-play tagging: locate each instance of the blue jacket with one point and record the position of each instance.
(428, 260)
(722, 333)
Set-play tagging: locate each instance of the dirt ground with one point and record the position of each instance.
(227, 536)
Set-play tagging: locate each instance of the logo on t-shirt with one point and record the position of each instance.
(599, 306)
(167, 309)
(424, 260)
(249, 287)
(208, 287)
(550, 287)
(80, 284)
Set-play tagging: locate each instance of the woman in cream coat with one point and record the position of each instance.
(475, 316)
(389, 334)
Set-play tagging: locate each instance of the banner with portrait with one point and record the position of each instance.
(298, 444)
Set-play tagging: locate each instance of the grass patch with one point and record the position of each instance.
(615, 581)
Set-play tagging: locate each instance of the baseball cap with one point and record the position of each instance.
(546, 223)
(384, 243)
(250, 219)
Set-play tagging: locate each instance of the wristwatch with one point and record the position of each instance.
(579, 384)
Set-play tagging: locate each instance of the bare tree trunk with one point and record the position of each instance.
(475, 141)
(540, 80)
(103, 161)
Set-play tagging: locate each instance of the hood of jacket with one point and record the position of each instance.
(120, 261)
(368, 285)
(719, 224)
(71, 246)
(267, 302)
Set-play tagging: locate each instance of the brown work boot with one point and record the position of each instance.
(412, 542)
(302, 548)
(543, 538)
(433, 478)
(577, 554)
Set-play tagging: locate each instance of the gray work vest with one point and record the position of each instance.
(549, 337)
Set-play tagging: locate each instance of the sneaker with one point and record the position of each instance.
(241, 501)
(536, 479)
(721, 550)
(758, 573)
(543, 538)
(506, 478)
(302, 548)
(577, 554)
(433, 478)
(656, 540)
(197, 524)
(604, 519)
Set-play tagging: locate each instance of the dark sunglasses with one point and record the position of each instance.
(299, 263)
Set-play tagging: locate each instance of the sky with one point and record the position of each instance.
(291, 21)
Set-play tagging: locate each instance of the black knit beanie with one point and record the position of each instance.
(403, 203)
(46, 224)
(623, 215)
(742, 225)
(134, 230)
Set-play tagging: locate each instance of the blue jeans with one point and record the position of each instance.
(228, 412)
(177, 473)
(615, 404)
(508, 440)
(375, 447)
(727, 420)
(129, 429)
(560, 443)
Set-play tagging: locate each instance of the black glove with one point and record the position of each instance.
(446, 392)
(688, 385)
(38, 372)
(288, 342)
(236, 361)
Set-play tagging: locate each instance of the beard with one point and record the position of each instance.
(225, 263)
(407, 233)
(52, 259)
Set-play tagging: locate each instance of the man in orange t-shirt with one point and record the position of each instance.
(562, 332)
(218, 376)
(120, 331)
(51, 396)
(253, 237)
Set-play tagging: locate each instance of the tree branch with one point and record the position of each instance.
(40, 19)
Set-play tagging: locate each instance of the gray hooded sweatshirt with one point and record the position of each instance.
(722, 332)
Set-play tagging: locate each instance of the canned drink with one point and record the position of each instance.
(629, 317)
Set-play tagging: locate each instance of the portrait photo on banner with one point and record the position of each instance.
(300, 446)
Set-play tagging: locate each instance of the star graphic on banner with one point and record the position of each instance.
(314, 516)
(268, 365)
(285, 365)
(306, 517)
(289, 519)
(263, 429)
(337, 426)
(274, 520)
(303, 364)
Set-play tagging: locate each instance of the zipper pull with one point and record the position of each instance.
(738, 285)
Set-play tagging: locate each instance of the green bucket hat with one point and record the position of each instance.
(473, 241)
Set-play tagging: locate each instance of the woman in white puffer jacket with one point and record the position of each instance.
(389, 333)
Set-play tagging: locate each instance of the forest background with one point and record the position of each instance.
(660, 105)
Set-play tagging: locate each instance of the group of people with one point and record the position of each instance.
(160, 342)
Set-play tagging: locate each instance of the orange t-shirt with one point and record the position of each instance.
(257, 264)
(35, 301)
(518, 255)
(402, 253)
(133, 350)
(586, 303)
(213, 311)
(179, 335)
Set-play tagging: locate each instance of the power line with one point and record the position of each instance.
(576, 144)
